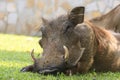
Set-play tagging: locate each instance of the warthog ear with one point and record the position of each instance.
(44, 21)
(76, 15)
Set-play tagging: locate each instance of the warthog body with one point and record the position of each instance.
(71, 45)
(110, 21)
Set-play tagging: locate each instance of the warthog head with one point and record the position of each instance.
(60, 43)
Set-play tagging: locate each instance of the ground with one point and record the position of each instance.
(14, 54)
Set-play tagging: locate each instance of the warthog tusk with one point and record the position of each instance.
(32, 55)
(81, 53)
(66, 53)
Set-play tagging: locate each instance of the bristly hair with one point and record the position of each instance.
(104, 38)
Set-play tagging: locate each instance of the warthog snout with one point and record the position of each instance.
(65, 64)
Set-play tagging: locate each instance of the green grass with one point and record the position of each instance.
(14, 54)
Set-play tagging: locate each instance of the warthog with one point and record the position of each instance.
(59, 42)
(110, 21)
(71, 44)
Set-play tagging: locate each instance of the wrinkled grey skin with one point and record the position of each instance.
(56, 34)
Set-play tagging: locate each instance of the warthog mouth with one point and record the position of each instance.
(51, 70)
(48, 71)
